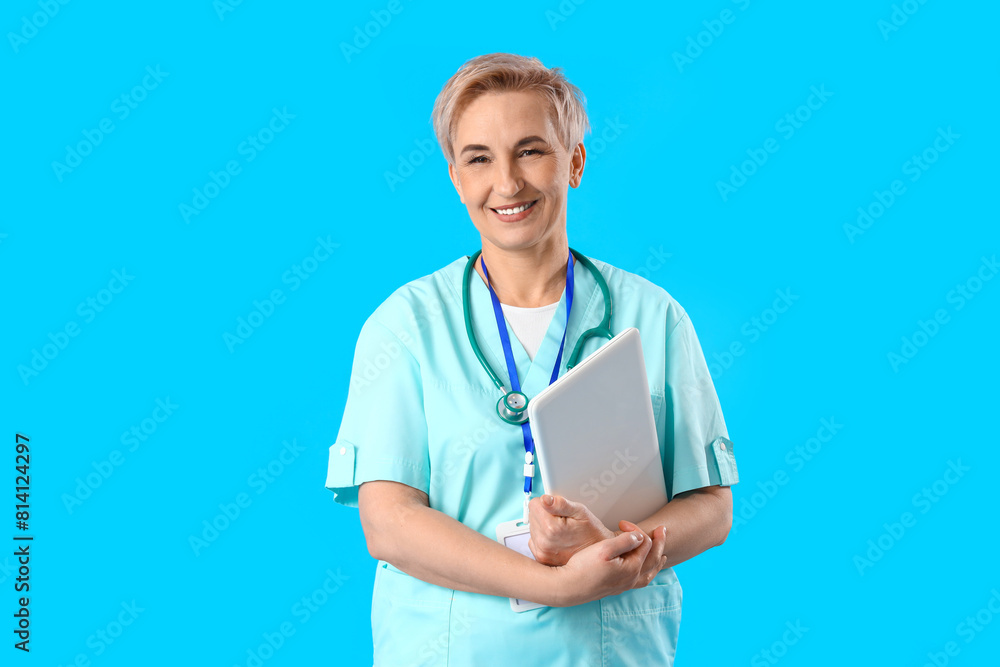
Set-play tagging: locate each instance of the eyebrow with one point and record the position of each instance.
(522, 142)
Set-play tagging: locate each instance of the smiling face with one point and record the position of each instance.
(511, 171)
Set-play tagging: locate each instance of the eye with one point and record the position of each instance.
(476, 159)
(526, 151)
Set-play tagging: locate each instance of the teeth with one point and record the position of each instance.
(512, 211)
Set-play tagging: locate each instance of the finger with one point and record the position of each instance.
(538, 518)
(624, 525)
(663, 559)
(531, 547)
(542, 555)
(535, 507)
(561, 506)
(659, 535)
(541, 523)
(654, 559)
(629, 541)
(651, 564)
(635, 558)
(627, 525)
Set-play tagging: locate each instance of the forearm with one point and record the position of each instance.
(696, 521)
(436, 548)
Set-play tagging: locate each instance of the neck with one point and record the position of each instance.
(527, 278)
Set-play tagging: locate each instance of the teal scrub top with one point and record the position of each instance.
(421, 410)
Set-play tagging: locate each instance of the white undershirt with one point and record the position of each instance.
(529, 324)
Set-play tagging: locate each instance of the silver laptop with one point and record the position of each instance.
(595, 438)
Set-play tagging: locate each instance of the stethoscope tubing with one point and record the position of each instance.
(603, 329)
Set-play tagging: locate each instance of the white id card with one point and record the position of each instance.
(515, 534)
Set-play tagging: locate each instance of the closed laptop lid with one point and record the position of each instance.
(595, 436)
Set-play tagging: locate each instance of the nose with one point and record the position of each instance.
(508, 178)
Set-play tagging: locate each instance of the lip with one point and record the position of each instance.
(517, 216)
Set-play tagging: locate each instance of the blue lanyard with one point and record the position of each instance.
(515, 384)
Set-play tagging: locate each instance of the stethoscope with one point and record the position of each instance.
(513, 404)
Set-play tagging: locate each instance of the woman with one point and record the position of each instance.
(432, 468)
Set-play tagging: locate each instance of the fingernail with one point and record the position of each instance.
(547, 499)
(635, 538)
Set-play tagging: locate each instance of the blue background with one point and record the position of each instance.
(650, 188)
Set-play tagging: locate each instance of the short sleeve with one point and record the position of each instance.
(383, 433)
(699, 452)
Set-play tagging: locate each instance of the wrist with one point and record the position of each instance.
(553, 587)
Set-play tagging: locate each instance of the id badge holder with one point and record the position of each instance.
(515, 534)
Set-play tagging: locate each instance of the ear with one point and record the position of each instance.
(576, 164)
(454, 181)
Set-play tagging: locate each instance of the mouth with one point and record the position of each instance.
(515, 212)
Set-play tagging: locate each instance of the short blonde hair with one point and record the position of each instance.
(507, 72)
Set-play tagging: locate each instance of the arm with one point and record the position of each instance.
(693, 522)
(696, 521)
(402, 529)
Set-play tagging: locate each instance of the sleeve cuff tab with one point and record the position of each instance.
(725, 461)
(340, 471)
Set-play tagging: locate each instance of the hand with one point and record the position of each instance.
(655, 560)
(561, 528)
(608, 567)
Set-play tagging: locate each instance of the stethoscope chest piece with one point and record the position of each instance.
(513, 407)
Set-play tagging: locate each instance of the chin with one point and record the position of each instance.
(509, 237)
